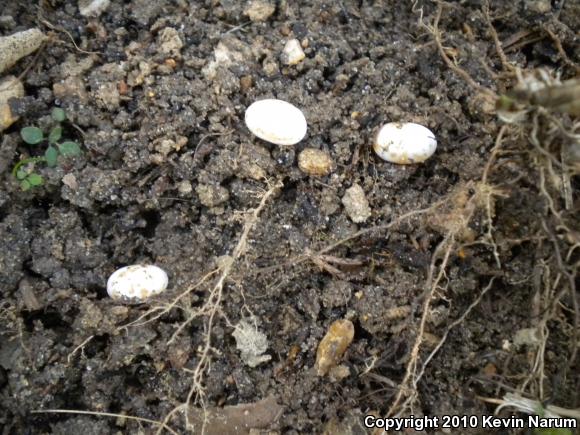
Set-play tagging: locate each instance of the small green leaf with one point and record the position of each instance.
(51, 156)
(21, 174)
(35, 179)
(58, 114)
(31, 135)
(24, 185)
(55, 134)
(69, 148)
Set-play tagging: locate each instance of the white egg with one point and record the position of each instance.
(404, 143)
(276, 121)
(137, 283)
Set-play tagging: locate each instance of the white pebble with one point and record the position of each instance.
(137, 283)
(293, 53)
(404, 143)
(276, 121)
(356, 204)
(93, 8)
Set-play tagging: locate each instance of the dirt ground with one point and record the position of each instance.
(461, 284)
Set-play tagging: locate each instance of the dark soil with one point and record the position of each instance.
(169, 170)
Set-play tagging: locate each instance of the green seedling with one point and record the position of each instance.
(24, 169)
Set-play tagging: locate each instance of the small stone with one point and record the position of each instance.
(329, 201)
(292, 53)
(259, 10)
(93, 8)
(333, 345)
(246, 83)
(315, 162)
(184, 188)
(224, 261)
(107, 96)
(28, 296)
(527, 337)
(270, 68)
(212, 195)
(71, 87)
(169, 41)
(255, 162)
(339, 372)
(165, 146)
(285, 30)
(229, 51)
(10, 87)
(482, 103)
(356, 204)
(170, 63)
(539, 6)
(70, 181)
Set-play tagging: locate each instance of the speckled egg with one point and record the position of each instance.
(276, 121)
(404, 143)
(137, 283)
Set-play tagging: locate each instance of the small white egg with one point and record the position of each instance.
(137, 283)
(404, 143)
(276, 121)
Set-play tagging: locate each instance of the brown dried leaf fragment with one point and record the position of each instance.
(238, 419)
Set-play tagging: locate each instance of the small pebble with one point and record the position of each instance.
(246, 83)
(169, 41)
(71, 87)
(10, 87)
(315, 162)
(137, 283)
(270, 68)
(293, 53)
(404, 143)
(527, 337)
(339, 372)
(538, 6)
(184, 187)
(93, 8)
(356, 204)
(276, 121)
(212, 195)
(259, 10)
(333, 345)
(70, 181)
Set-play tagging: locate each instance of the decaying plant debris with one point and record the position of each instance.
(460, 280)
